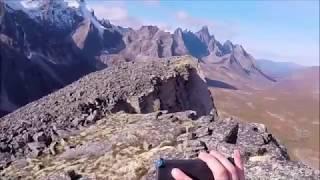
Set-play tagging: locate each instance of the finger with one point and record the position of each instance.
(218, 170)
(227, 164)
(237, 159)
(177, 174)
(239, 164)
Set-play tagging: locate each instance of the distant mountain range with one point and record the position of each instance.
(277, 69)
(304, 81)
(48, 44)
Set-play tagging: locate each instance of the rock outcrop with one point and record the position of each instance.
(116, 122)
(140, 87)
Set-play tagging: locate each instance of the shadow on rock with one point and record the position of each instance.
(220, 84)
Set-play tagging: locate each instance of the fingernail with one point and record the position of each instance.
(178, 174)
(175, 172)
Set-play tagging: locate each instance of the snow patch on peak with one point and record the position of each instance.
(72, 3)
(57, 12)
(30, 4)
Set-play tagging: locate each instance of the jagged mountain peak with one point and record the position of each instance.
(228, 43)
(204, 30)
(241, 57)
(106, 23)
(204, 35)
(179, 46)
(227, 47)
(243, 63)
(178, 31)
(149, 28)
(204, 46)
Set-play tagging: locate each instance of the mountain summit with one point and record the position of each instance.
(204, 35)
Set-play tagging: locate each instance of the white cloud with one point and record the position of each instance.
(182, 15)
(281, 50)
(116, 12)
(112, 13)
(222, 31)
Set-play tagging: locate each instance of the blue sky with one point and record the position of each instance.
(283, 30)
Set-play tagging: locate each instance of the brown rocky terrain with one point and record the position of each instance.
(88, 129)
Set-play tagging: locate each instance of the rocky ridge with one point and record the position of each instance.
(88, 129)
(139, 87)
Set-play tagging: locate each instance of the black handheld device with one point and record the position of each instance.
(195, 169)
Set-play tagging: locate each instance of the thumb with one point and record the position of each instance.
(177, 174)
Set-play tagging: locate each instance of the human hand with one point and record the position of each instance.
(220, 166)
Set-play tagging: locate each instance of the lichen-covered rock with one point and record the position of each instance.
(136, 87)
(125, 146)
(115, 123)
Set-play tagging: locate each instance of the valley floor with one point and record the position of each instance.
(292, 117)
